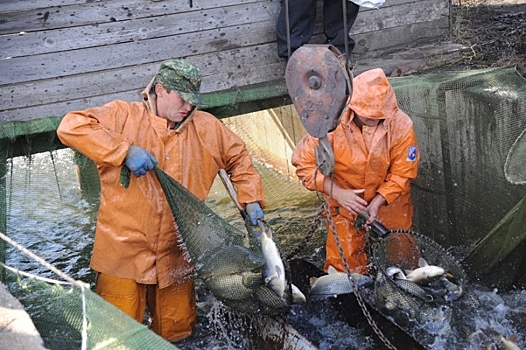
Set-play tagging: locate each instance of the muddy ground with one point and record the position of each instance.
(494, 32)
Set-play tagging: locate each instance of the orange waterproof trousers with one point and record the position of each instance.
(172, 309)
(402, 248)
(352, 243)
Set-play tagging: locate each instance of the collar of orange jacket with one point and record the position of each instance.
(150, 100)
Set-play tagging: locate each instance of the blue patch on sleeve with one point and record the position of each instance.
(411, 154)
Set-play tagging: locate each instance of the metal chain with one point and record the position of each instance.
(308, 236)
(359, 298)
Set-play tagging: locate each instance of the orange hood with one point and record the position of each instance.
(373, 96)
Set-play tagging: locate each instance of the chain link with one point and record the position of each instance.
(359, 298)
(308, 236)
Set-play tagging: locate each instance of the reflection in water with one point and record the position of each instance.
(47, 214)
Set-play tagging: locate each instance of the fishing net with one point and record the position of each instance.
(466, 123)
(420, 311)
(228, 260)
(68, 315)
(515, 167)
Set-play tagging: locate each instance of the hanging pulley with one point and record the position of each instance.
(320, 86)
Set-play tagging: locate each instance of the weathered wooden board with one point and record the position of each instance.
(188, 23)
(126, 84)
(371, 45)
(80, 13)
(104, 57)
(59, 55)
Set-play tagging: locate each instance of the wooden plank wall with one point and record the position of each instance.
(62, 55)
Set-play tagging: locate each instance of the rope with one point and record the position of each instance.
(287, 22)
(69, 280)
(40, 260)
(30, 275)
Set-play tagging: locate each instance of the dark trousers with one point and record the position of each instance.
(302, 19)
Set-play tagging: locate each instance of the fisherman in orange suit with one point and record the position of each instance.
(137, 251)
(376, 156)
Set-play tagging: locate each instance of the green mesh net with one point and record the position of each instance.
(68, 315)
(515, 168)
(230, 266)
(71, 316)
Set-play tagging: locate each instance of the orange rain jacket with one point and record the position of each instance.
(386, 167)
(135, 235)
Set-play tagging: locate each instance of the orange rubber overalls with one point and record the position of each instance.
(136, 245)
(381, 159)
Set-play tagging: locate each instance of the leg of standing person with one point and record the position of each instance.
(351, 241)
(125, 294)
(173, 309)
(302, 18)
(333, 23)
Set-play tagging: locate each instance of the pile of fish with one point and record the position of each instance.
(249, 279)
(427, 282)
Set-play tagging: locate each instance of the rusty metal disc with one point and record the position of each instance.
(318, 86)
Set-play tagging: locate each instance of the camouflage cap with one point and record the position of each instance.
(182, 77)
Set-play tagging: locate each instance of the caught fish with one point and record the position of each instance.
(445, 286)
(405, 301)
(408, 286)
(491, 339)
(273, 269)
(425, 272)
(190, 3)
(336, 283)
(297, 296)
(232, 272)
(453, 288)
(509, 343)
(395, 273)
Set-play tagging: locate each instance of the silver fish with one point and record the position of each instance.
(297, 296)
(453, 289)
(336, 283)
(491, 338)
(509, 343)
(395, 273)
(425, 272)
(273, 269)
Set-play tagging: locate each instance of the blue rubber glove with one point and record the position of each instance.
(254, 212)
(139, 161)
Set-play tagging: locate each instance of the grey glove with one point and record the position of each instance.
(254, 212)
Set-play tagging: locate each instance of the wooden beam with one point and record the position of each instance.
(187, 26)
(27, 16)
